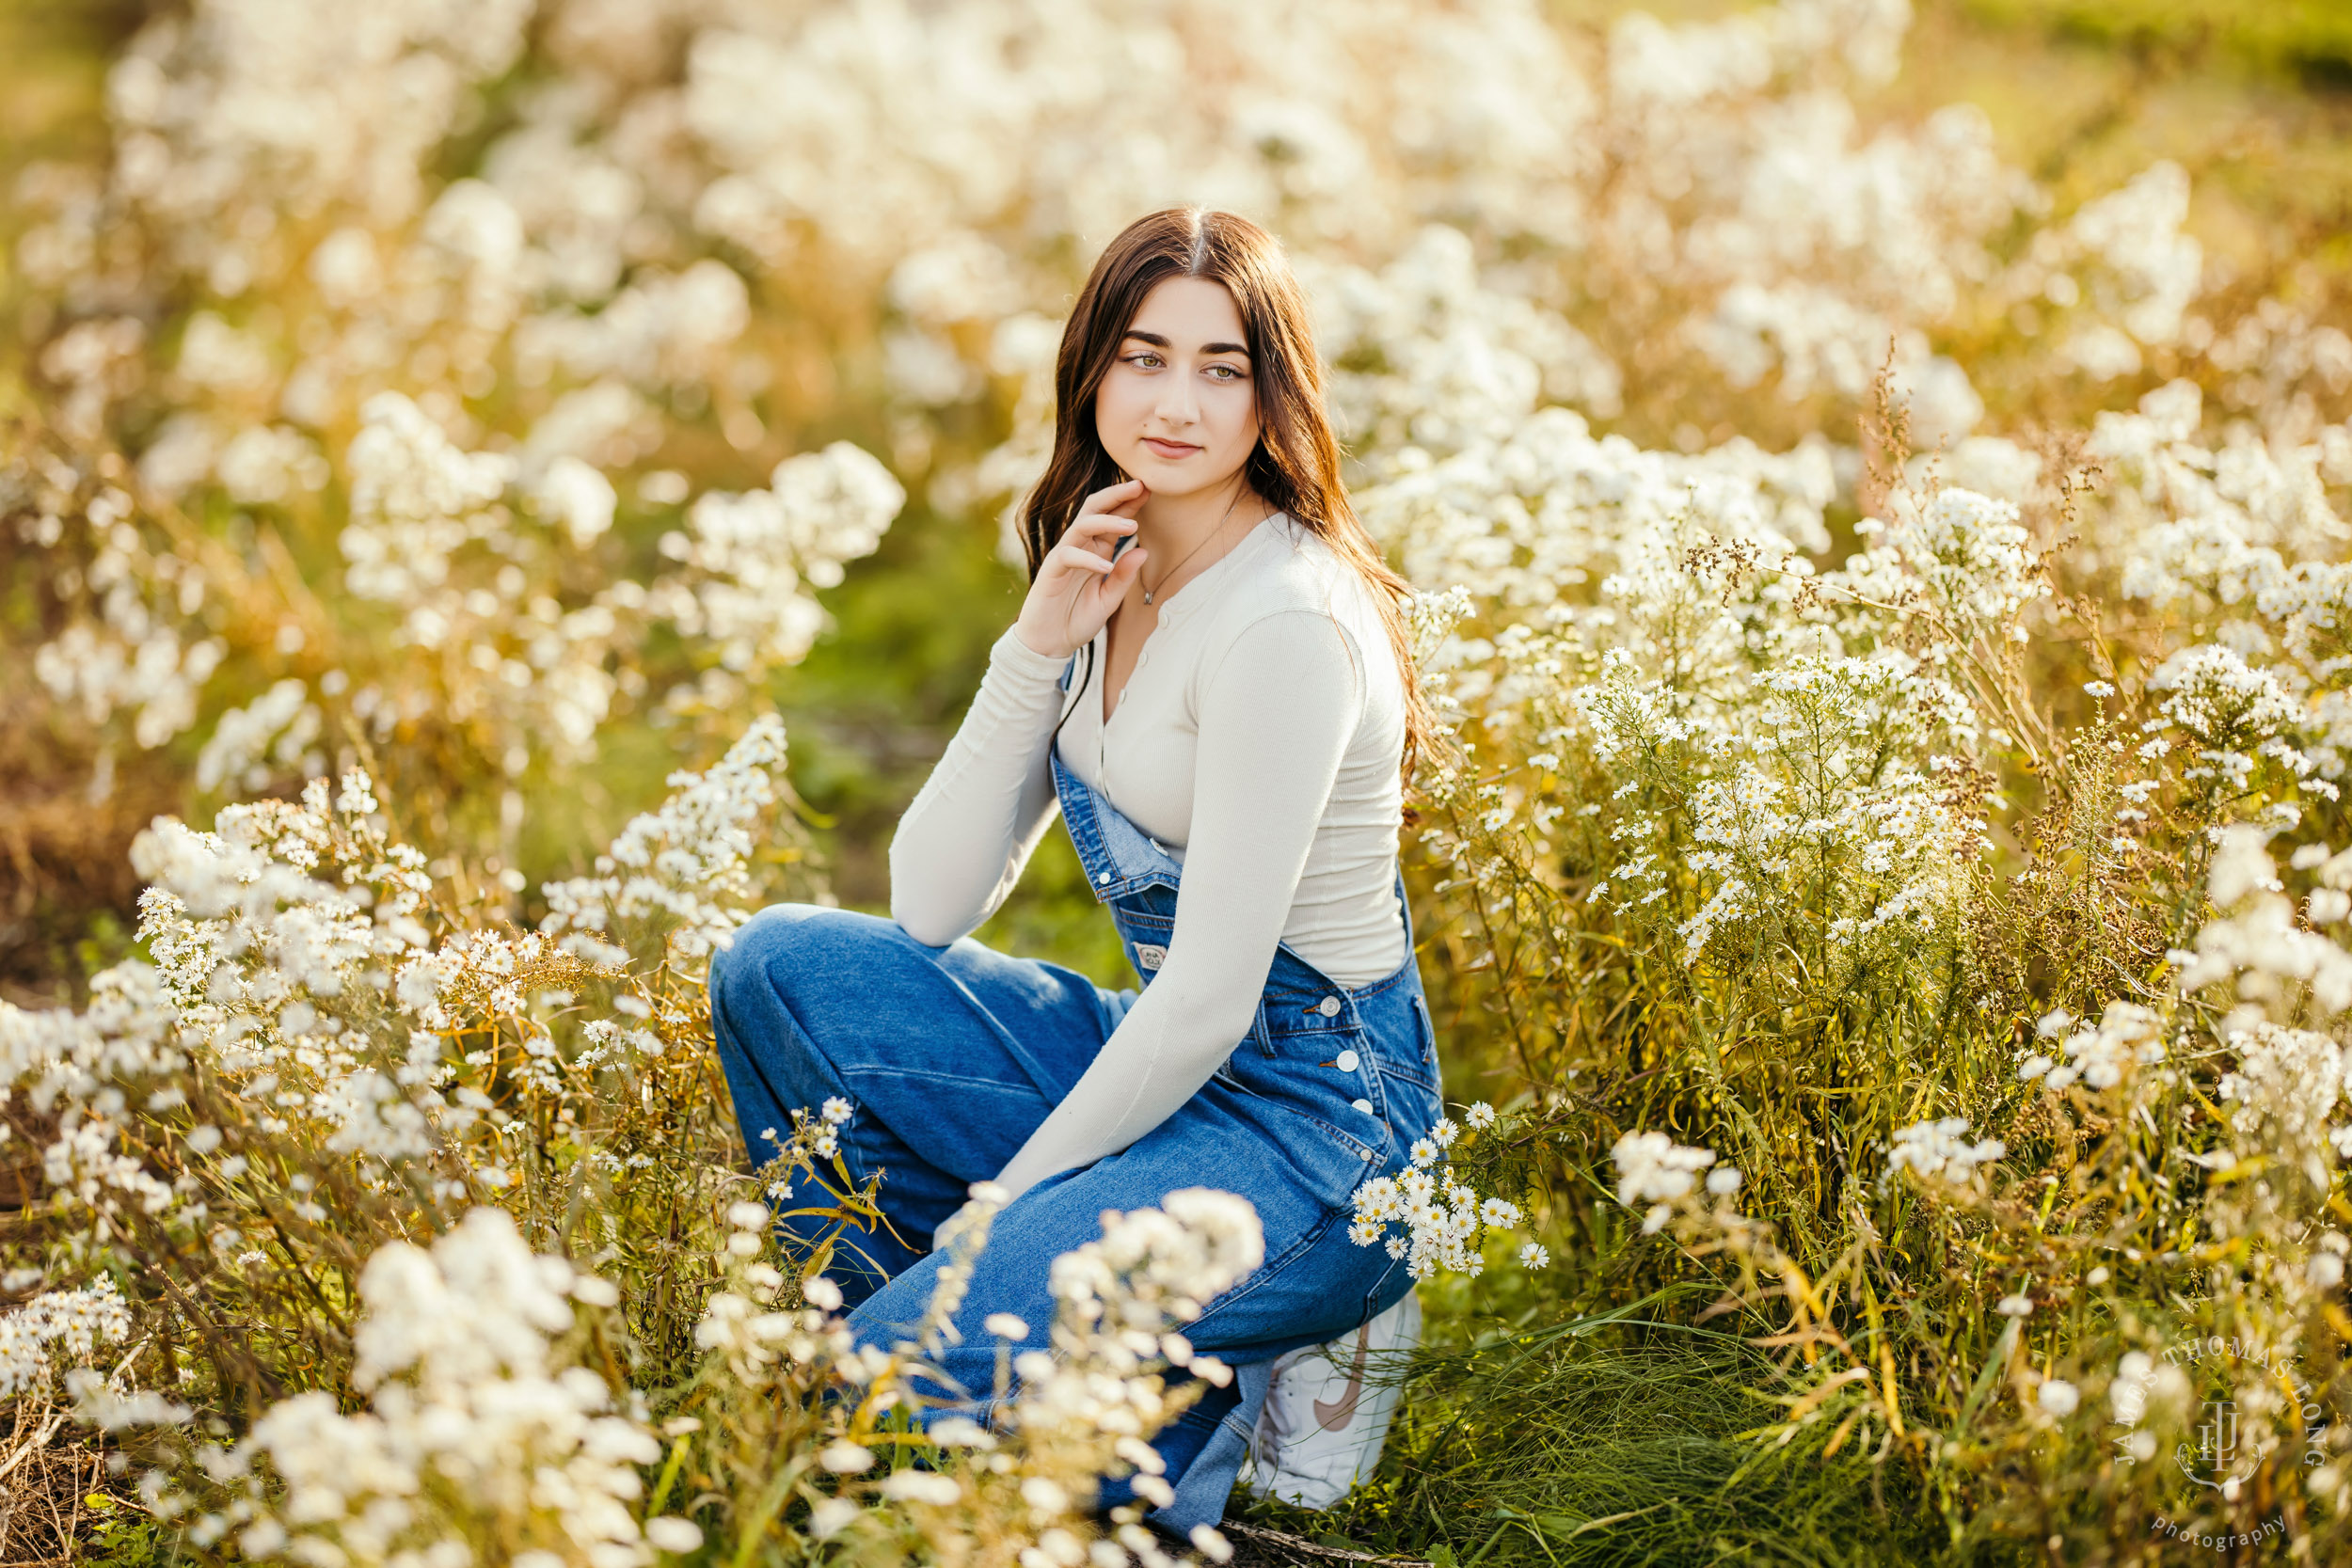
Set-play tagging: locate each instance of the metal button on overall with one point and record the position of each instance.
(1101, 877)
(1347, 1062)
(1328, 1006)
(1363, 1105)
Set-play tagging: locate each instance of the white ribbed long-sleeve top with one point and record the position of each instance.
(1257, 742)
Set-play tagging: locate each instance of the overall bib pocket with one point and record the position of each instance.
(1332, 1147)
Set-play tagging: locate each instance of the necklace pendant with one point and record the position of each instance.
(1147, 595)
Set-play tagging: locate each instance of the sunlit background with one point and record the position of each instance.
(681, 242)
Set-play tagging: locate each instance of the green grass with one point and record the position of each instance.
(2309, 34)
(1556, 1447)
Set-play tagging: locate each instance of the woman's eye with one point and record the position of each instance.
(1149, 362)
(1225, 372)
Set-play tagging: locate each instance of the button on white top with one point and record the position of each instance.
(1347, 1061)
(1328, 1006)
(1363, 1105)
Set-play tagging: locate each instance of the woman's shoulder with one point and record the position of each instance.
(1291, 572)
(1290, 568)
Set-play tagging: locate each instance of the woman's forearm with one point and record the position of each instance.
(1275, 722)
(963, 842)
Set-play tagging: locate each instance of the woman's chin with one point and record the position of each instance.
(1187, 477)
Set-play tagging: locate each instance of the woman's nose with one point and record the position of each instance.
(1177, 403)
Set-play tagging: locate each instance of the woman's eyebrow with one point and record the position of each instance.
(1158, 342)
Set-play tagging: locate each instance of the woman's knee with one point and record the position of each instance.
(799, 950)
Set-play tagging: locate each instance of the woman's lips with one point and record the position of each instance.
(1173, 450)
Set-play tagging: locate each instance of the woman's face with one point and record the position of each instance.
(1178, 407)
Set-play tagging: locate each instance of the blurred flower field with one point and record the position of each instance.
(490, 495)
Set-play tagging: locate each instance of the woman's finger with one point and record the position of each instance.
(1070, 554)
(1100, 534)
(1123, 571)
(1100, 522)
(1111, 497)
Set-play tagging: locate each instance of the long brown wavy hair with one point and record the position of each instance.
(1296, 464)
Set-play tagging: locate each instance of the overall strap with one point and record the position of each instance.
(1062, 683)
(1119, 857)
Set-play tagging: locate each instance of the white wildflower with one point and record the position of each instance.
(1941, 1149)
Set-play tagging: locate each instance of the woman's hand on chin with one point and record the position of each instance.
(1078, 585)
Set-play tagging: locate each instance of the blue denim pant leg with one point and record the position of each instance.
(1314, 1284)
(952, 1056)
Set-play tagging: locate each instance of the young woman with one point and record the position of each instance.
(1210, 678)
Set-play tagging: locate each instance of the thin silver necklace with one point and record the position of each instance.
(1196, 548)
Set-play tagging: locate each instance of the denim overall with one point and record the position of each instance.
(952, 1056)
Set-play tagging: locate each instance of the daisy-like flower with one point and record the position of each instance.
(1499, 1212)
(838, 1110)
(1480, 1116)
(1534, 1256)
(1424, 1152)
(1445, 1133)
(1377, 1200)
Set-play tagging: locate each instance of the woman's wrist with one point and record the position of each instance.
(1025, 657)
(1037, 642)
(1044, 630)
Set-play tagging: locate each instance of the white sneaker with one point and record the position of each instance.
(1323, 1421)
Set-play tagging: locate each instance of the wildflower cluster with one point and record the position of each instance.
(474, 1427)
(1654, 1169)
(1015, 1489)
(2126, 1037)
(1445, 1220)
(1940, 1151)
(74, 1324)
